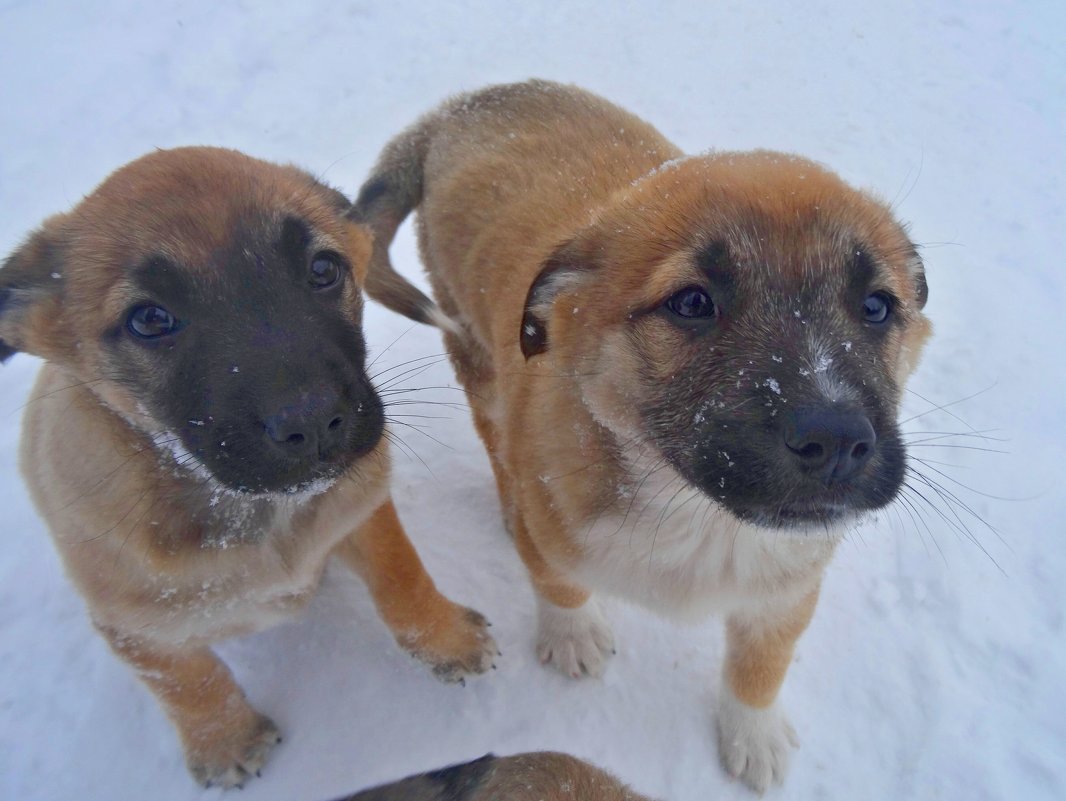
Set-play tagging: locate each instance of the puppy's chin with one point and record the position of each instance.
(801, 519)
(786, 508)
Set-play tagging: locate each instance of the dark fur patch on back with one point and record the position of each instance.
(454, 783)
(458, 781)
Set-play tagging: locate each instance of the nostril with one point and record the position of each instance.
(812, 450)
(295, 439)
(335, 423)
(860, 451)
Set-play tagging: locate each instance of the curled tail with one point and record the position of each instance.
(394, 190)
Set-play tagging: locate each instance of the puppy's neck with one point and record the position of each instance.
(200, 507)
(223, 517)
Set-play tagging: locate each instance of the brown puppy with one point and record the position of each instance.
(686, 370)
(542, 776)
(204, 436)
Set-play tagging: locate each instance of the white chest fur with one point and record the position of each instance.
(669, 547)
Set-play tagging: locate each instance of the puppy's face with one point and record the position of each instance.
(212, 300)
(752, 319)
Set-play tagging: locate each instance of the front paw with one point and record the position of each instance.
(456, 646)
(754, 744)
(577, 641)
(227, 753)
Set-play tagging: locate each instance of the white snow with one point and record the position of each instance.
(935, 664)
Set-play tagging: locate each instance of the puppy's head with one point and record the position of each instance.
(752, 319)
(213, 301)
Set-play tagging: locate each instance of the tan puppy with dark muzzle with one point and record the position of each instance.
(204, 435)
(686, 370)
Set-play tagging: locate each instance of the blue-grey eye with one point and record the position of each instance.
(692, 303)
(151, 322)
(876, 308)
(325, 270)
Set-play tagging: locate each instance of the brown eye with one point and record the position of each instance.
(151, 322)
(326, 270)
(692, 303)
(876, 308)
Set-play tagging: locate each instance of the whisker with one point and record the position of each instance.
(957, 525)
(959, 447)
(36, 398)
(428, 361)
(405, 332)
(953, 501)
(944, 407)
(930, 464)
(917, 517)
(939, 435)
(409, 373)
(420, 430)
(403, 446)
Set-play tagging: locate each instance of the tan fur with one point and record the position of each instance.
(162, 578)
(537, 179)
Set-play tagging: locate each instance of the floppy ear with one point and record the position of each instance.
(31, 283)
(921, 288)
(562, 271)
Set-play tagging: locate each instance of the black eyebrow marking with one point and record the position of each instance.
(862, 268)
(162, 280)
(716, 262)
(295, 238)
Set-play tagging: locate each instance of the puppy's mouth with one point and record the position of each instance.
(321, 480)
(251, 481)
(238, 466)
(798, 515)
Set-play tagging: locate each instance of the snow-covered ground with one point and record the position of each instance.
(935, 666)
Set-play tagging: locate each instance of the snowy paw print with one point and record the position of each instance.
(228, 758)
(754, 744)
(574, 641)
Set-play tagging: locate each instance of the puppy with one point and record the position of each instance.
(686, 370)
(543, 776)
(204, 436)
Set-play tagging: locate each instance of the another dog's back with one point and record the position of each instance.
(544, 776)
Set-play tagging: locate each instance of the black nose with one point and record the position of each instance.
(830, 444)
(310, 425)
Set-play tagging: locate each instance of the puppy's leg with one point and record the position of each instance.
(452, 639)
(476, 375)
(754, 738)
(572, 634)
(486, 429)
(224, 738)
